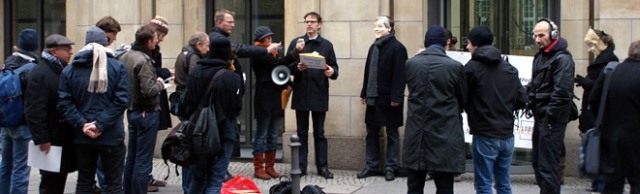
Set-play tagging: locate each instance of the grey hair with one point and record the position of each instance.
(197, 37)
(387, 23)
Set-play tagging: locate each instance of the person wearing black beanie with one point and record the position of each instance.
(431, 76)
(495, 92)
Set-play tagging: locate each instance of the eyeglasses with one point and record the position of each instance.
(231, 22)
(310, 22)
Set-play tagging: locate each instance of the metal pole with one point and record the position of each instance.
(295, 164)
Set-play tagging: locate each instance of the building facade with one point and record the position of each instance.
(348, 25)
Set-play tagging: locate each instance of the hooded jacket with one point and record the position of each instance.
(78, 106)
(495, 92)
(550, 90)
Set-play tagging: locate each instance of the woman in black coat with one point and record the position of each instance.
(382, 92)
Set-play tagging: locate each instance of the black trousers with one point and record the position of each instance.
(548, 145)
(52, 183)
(373, 148)
(614, 183)
(320, 141)
(416, 180)
(112, 158)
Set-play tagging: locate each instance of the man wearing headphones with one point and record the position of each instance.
(550, 93)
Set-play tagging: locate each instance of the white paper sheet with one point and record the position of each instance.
(313, 61)
(49, 161)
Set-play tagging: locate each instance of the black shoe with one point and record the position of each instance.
(367, 172)
(227, 177)
(303, 174)
(324, 172)
(390, 175)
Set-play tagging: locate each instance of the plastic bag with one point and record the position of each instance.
(240, 184)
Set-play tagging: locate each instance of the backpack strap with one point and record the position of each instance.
(203, 101)
(24, 68)
(611, 66)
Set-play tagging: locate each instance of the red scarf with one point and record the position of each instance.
(265, 45)
(548, 49)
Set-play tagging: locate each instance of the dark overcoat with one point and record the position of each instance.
(390, 81)
(620, 138)
(434, 139)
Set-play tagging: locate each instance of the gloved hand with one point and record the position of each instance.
(583, 81)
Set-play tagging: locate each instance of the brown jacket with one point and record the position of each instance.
(144, 87)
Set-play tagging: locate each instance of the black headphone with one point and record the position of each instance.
(554, 28)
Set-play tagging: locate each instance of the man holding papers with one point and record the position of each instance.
(311, 91)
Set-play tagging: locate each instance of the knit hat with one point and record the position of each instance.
(95, 34)
(261, 32)
(161, 24)
(435, 35)
(220, 48)
(480, 36)
(28, 40)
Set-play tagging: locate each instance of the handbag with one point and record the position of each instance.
(589, 151)
(283, 187)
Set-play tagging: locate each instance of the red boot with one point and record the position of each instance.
(270, 160)
(258, 165)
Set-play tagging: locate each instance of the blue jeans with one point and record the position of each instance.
(186, 178)
(14, 172)
(267, 134)
(208, 173)
(143, 131)
(492, 160)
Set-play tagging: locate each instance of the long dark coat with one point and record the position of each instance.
(434, 139)
(390, 79)
(266, 100)
(620, 138)
(311, 86)
(594, 70)
(43, 119)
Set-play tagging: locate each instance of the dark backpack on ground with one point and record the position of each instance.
(283, 187)
(205, 135)
(312, 189)
(11, 105)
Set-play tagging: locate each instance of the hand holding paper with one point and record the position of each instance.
(313, 61)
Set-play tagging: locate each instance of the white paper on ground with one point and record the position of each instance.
(45, 161)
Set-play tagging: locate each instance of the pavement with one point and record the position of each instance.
(344, 181)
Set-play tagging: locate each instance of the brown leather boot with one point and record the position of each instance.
(270, 160)
(258, 165)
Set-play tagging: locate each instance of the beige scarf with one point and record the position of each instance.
(98, 80)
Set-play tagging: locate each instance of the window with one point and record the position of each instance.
(20, 14)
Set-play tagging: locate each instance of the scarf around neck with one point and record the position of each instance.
(372, 81)
(98, 79)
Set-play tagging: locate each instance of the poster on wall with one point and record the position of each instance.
(522, 127)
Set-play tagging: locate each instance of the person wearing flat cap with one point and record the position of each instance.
(40, 101)
(495, 92)
(208, 173)
(14, 172)
(437, 94)
(93, 96)
(268, 106)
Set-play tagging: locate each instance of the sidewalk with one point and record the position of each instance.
(344, 181)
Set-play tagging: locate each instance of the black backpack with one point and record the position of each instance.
(176, 147)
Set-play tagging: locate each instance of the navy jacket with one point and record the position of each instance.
(78, 106)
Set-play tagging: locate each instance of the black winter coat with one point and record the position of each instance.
(45, 122)
(495, 92)
(311, 86)
(225, 92)
(433, 137)
(587, 119)
(390, 83)
(620, 138)
(550, 90)
(164, 73)
(267, 94)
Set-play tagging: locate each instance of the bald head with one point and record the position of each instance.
(542, 34)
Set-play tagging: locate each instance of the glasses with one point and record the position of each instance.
(231, 22)
(310, 22)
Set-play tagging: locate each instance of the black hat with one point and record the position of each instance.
(57, 40)
(28, 40)
(480, 36)
(435, 35)
(220, 48)
(261, 32)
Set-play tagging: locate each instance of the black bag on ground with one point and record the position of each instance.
(283, 187)
(312, 189)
